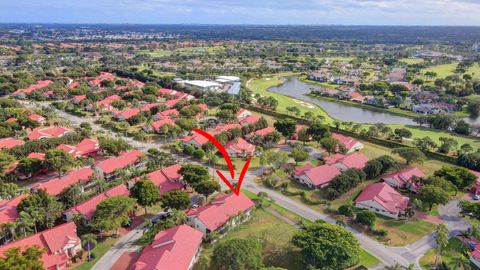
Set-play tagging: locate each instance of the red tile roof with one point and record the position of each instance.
(88, 207)
(106, 102)
(158, 124)
(8, 209)
(355, 160)
(252, 119)
(126, 158)
(11, 120)
(33, 87)
(73, 85)
(384, 195)
(171, 103)
(165, 91)
(240, 146)
(168, 113)
(40, 156)
(321, 175)
(404, 177)
(301, 170)
(148, 107)
(79, 98)
(10, 143)
(263, 132)
(36, 118)
(348, 142)
(48, 132)
(216, 213)
(53, 241)
(172, 249)
(83, 148)
(56, 185)
(167, 179)
(225, 128)
(126, 114)
(197, 138)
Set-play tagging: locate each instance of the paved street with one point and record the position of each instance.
(387, 255)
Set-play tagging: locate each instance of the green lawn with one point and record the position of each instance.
(101, 248)
(453, 249)
(260, 86)
(449, 69)
(411, 61)
(402, 232)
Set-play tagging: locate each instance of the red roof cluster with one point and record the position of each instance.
(36, 118)
(216, 213)
(168, 114)
(54, 241)
(355, 160)
(240, 147)
(158, 124)
(348, 142)
(263, 132)
(404, 177)
(33, 87)
(167, 179)
(126, 114)
(321, 175)
(172, 249)
(56, 185)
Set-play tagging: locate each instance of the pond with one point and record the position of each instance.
(296, 88)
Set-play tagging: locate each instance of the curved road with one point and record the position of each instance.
(388, 255)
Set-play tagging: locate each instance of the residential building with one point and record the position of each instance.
(60, 243)
(9, 143)
(242, 113)
(382, 199)
(157, 125)
(37, 118)
(167, 179)
(204, 85)
(316, 177)
(49, 132)
(174, 249)
(108, 168)
(350, 143)
(126, 114)
(345, 162)
(24, 92)
(87, 147)
(56, 185)
(226, 210)
(239, 148)
(404, 179)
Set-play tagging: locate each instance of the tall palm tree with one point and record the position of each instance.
(441, 239)
(89, 239)
(12, 229)
(25, 222)
(396, 266)
(36, 216)
(464, 235)
(461, 262)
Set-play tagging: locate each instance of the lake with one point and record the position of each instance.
(296, 88)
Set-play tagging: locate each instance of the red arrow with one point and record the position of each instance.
(224, 153)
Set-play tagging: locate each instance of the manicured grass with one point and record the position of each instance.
(420, 132)
(401, 232)
(449, 69)
(101, 248)
(367, 259)
(411, 61)
(261, 86)
(336, 58)
(275, 236)
(453, 249)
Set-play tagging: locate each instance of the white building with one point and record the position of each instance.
(204, 85)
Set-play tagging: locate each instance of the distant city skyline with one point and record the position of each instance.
(347, 12)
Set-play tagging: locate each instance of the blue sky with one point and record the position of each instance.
(375, 12)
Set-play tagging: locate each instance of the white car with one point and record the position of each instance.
(476, 197)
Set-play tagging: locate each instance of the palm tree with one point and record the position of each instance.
(460, 262)
(36, 216)
(396, 266)
(464, 235)
(12, 229)
(25, 222)
(441, 239)
(89, 239)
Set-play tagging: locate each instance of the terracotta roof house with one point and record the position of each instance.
(252, 119)
(356, 97)
(404, 179)
(105, 104)
(225, 208)
(126, 114)
(350, 143)
(227, 127)
(11, 120)
(196, 139)
(261, 132)
(56, 185)
(78, 99)
(73, 85)
(60, 244)
(8, 209)
(345, 162)
(22, 93)
(171, 113)
(88, 207)
(157, 125)
(37, 118)
(299, 128)
(316, 177)
(167, 179)
(174, 249)
(165, 91)
(49, 132)
(100, 78)
(149, 106)
(40, 156)
(172, 102)
(9, 143)
(87, 147)
(242, 113)
(382, 199)
(239, 148)
(108, 168)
